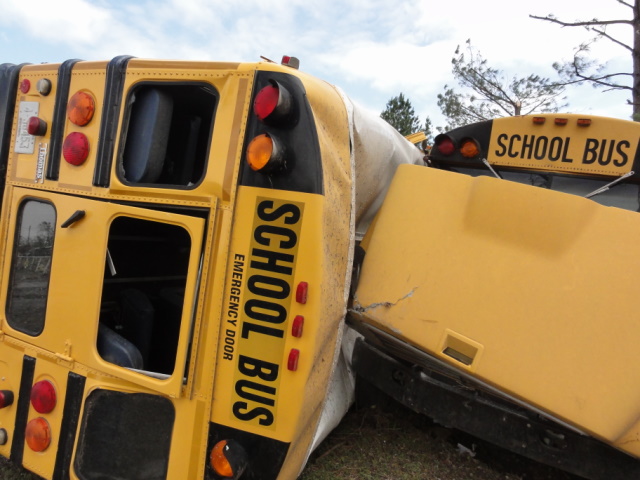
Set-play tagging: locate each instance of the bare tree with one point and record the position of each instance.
(490, 93)
(582, 69)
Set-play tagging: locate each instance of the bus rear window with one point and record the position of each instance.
(167, 134)
(31, 267)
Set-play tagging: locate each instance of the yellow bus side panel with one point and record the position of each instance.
(532, 291)
(607, 146)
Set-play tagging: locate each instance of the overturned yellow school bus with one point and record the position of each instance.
(175, 262)
(498, 289)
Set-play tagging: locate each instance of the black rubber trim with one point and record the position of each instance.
(8, 89)
(22, 409)
(59, 119)
(298, 137)
(116, 74)
(266, 455)
(68, 430)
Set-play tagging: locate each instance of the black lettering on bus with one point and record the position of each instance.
(590, 154)
(248, 327)
(512, 153)
(565, 150)
(503, 148)
(624, 157)
(252, 367)
(527, 146)
(290, 237)
(282, 210)
(265, 311)
(244, 390)
(555, 149)
(602, 159)
(267, 415)
(273, 263)
(540, 151)
(270, 287)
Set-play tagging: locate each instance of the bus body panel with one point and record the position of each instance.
(528, 290)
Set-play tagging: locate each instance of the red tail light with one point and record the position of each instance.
(75, 148)
(36, 126)
(6, 398)
(445, 146)
(273, 103)
(43, 396)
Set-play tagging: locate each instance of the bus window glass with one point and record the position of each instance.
(31, 266)
(168, 134)
(143, 294)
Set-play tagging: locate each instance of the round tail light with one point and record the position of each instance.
(75, 148)
(38, 434)
(43, 396)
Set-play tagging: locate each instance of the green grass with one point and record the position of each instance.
(388, 442)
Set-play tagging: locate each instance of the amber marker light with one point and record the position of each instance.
(228, 459)
(584, 122)
(38, 434)
(469, 148)
(264, 154)
(80, 108)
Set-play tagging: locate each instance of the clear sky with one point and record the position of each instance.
(372, 49)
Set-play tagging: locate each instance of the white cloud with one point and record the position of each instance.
(373, 49)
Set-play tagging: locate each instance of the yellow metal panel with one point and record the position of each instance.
(532, 291)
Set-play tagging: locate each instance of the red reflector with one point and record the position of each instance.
(43, 396)
(6, 398)
(298, 324)
(75, 148)
(445, 146)
(301, 292)
(25, 85)
(38, 434)
(292, 362)
(36, 126)
(561, 121)
(273, 104)
(266, 101)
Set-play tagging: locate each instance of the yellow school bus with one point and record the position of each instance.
(176, 248)
(514, 314)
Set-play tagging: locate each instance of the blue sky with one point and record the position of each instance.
(372, 49)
